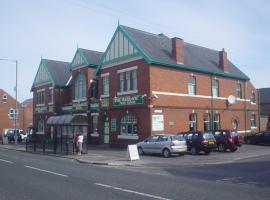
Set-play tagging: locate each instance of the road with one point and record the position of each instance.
(28, 176)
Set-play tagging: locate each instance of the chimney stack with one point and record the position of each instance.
(223, 61)
(178, 50)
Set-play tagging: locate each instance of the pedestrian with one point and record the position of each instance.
(75, 141)
(79, 143)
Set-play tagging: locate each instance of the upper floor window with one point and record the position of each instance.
(105, 85)
(40, 97)
(207, 122)
(193, 122)
(191, 85)
(40, 128)
(215, 88)
(4, 98)
(239, 90)
(127, 81)
(253, 120)
(51, 95)
(216, 122)
(80, 87)
(234, 124)
(253, 97)
(13, 113)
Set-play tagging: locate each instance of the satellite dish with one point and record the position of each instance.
(231, 99)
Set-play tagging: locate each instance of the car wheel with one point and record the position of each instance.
(221, 147)
(166, 153)
(249, 141)
(194, 151)
(207, 152)
(140, 151)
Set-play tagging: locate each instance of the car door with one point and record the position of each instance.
(158, 147)
(149, 144)
(267, 137)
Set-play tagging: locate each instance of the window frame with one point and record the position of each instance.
(194, 122)
(192, 85)
(253, 97)
(215, 87)
(207, 122)
(127, 81)
(129, 121)
(80, 87)
(253, 123)
(4, 98)
(239, 90)
(216, 121)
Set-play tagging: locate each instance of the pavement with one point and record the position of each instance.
(100, 155)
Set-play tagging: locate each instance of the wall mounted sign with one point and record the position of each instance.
(128, 100)
(157, 122)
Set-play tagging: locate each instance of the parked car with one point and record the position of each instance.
(199, 141)
(10, 133)
(165, 144)
(258, 138)
(227, 139)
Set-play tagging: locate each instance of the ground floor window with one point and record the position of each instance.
(216, 122)
(94, 124)
(253, 120)
(206, 121)
(40, 126)
(193, 122)
(129, 125)
(234, 124)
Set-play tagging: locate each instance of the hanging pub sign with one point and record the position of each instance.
(128, 100)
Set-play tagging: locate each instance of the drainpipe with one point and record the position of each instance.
(259, 109)
(212, 104)
(245, 107)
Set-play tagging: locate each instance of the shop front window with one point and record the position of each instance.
(129, 125)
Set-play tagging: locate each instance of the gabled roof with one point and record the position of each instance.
(156, 49)
(85, 57)
(264, 95)
(55, 72)
(25, 102)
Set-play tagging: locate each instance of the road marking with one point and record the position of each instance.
(42, 170)
(131, 191)
(6, 161)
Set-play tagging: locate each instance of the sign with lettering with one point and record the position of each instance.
(128, 100)
(132, 152)
(157, 122)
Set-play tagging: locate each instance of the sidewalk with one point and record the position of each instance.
(118, 157)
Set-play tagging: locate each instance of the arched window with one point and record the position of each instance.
(40, 126)
(234, 124)
(191, 85)
(129, 125)
(80, 87)
(207, 122)
(193, 122)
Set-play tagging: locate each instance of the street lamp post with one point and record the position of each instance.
(16, 95)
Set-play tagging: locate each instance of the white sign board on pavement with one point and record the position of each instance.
(157, 123)
(132, 152)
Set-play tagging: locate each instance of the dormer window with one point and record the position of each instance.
(4, 98)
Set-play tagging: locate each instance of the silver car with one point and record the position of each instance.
(164, 144)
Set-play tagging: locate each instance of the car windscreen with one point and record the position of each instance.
(177, 138)
(208, 136)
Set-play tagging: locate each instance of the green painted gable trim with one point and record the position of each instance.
(78, 52)
(47, 71)
(184, 67)
(140, 51)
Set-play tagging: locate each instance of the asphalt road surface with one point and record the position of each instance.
(28, 176)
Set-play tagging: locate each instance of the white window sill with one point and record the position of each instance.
(253, 127)
(253, 103)
(127, 92)
(51, 103)
(104, 95)
(94, 134)
(40, 105)
(129, 137)
(79, 100)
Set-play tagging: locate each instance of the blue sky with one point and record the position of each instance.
(52, 29)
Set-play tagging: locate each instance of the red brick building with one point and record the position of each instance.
(264, 94)
(150, 83)
(8, 113)
(143, 84)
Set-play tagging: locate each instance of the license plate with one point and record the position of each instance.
(210, 142)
